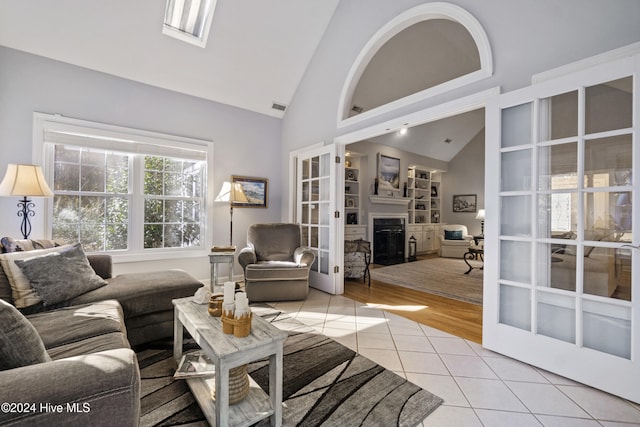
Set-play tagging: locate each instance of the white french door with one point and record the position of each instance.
(562, 277)
(561, 287)
(316, 170)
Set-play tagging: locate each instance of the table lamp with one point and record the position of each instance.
(480, 216)
(26, 181)
(231, 192)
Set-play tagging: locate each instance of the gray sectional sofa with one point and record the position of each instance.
(71, 363)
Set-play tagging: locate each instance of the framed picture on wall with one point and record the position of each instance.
(254, 192)
(465, 202)
(388, 172)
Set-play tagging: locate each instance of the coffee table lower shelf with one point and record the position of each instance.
(253, 408)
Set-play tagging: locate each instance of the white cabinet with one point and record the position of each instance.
(426, 235)
(355, 232)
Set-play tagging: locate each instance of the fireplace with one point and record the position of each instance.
(388, 241)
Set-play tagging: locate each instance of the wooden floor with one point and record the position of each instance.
(455, 317)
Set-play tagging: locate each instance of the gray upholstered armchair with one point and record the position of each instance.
(276, 266)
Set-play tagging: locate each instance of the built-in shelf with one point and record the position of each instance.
(382, 200)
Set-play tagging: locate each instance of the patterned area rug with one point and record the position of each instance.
(324, 384)
(439, 276)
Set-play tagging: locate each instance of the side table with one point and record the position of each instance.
(217, 258)
(228, 352)
(473, 254)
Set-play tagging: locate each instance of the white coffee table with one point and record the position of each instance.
(226, 352)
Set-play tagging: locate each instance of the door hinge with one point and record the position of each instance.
(336, 214)
(337, 159)
(336, 269)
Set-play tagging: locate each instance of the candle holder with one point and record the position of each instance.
(215, 305)
(240, 327)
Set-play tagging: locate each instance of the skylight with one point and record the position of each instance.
(189, 20)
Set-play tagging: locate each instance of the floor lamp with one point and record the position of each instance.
(231, 193)
(26, 181)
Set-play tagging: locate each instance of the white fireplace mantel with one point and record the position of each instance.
(382, 200)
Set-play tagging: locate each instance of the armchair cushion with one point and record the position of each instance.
(276, 270)
(274, 242)
(20, 344)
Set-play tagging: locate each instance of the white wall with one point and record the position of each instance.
(465, 176)
(245, 143)
(526, 37)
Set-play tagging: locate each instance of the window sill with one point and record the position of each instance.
(156, 255)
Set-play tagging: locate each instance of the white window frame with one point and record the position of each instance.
(164, 144)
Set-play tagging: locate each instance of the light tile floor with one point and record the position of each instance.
(479, 387)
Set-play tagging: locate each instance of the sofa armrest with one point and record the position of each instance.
(81, 390)
(247, 256)
(304, 255)
(101, 264)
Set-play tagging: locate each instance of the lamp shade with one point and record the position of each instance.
(480, 214)
(24, 180)
(231, 192)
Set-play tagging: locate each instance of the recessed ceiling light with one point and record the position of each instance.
(448, 141)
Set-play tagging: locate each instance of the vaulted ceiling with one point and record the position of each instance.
(256, 54)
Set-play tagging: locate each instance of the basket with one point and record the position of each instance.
(240, 328)
(215, 305)
(238, 384)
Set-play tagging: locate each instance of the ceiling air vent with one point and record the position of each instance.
(357, 109)
(278, 106)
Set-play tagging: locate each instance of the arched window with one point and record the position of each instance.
(423, 52)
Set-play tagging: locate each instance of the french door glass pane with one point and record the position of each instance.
(558, 167)
(608, 216)
(556, 266)
(516, 216)
(557, 316)
(558, 215)
(515, 261)
(516, 125)
(607, 272)
(607, 161)
(515, 307)
(516, 170)
(564, 111)
(609, 106)
(602, 320)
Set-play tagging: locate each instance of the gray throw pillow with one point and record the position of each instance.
(60, 276)
(20, 344)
